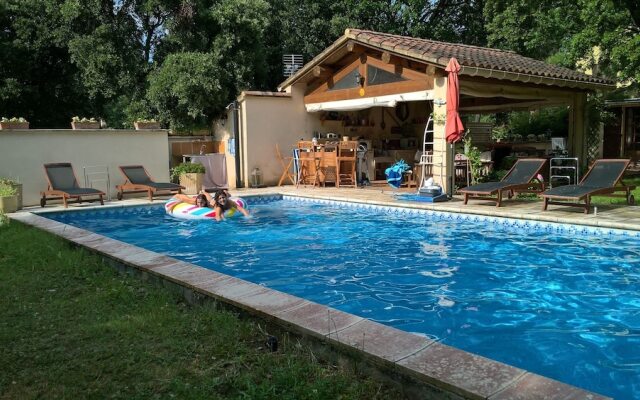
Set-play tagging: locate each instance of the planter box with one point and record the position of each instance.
(14, 125)
(85, 125)
(9, 204)
(146, 125)
(191, 182)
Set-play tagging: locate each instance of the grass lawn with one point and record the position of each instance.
(71, 327)
(620, 200)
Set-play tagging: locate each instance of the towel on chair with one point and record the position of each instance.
(394, 173)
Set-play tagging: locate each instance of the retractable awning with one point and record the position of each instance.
(368, 102)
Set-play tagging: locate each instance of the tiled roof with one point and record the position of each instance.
(470, 57)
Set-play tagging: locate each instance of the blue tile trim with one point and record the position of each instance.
(520, 224)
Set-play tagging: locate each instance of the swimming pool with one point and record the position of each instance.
(557, 300)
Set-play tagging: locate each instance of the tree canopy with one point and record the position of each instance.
(183, 61)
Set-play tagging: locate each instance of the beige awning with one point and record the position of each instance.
(368, 102)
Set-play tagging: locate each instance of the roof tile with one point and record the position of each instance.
(471, 56)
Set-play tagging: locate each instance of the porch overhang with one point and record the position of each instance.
(368, 102)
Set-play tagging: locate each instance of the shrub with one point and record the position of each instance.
(187, 168)
(7, 190)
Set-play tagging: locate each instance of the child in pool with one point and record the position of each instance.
(220, 202)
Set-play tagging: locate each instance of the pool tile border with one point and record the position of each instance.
(438, 368)
(524, 222)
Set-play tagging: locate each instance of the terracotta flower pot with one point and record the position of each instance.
(192, 182)
(14, 125)
(9, 204)
(139, 125)
(85, 125)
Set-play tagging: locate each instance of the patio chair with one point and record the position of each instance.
(603, 178)
(137, 180)
(63, 184)
(517, 180)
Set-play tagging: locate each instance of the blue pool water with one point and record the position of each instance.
(562, 305)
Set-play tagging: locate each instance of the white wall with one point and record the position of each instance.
(23, 153)
(267, 120)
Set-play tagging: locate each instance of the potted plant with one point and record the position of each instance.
(190, 176)
(142, 124)
(84, 123)
(17, 186)
(14, 123)
(8, 199)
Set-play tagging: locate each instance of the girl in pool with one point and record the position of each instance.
(220, 202)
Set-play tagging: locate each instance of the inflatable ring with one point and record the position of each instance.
(178, 209)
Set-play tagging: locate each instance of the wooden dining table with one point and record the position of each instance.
(320, 157)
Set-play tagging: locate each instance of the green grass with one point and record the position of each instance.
(619, 200)
(71, 327)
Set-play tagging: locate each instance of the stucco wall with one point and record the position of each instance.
(22, 154)
(267, 120)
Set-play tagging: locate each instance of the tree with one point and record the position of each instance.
(601, 34)
(187, 90)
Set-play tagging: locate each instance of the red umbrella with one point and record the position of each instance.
(453, 127)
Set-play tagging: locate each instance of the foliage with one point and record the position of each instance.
(8, 181)
(13, 119)
(7, 190)
(187, 168)
(79, 329)
(78, 119)
(187, 90)
(473, 155)
(550, 122)
(602, 35)
(102, 57)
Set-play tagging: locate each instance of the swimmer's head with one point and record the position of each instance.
(201, 201)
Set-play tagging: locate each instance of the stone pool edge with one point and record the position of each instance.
(437, 369)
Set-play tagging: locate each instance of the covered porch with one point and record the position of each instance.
(380, 89)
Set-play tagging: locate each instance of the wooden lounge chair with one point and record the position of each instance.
(137, 180)
(517, 180)
(63, 184)
(603, 178)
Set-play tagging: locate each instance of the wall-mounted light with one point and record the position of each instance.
(359, 79)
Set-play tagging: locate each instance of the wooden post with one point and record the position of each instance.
(578, 127)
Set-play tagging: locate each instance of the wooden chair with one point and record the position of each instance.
(518, 179)
(603, 178)
(137, 180)
(328, 173)
(287, 163)
(63, 184)
(308, 167)
(346, 160)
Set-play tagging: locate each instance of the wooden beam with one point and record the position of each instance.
(351, 46)
(386, 57)
(319, 71)
(431, 70)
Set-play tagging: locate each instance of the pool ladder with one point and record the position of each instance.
(428, 156)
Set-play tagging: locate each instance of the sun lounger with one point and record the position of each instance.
(137, 180)
(603, 178)
(517, 180)
(63, 184)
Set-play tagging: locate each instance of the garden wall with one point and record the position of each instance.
(23, 153)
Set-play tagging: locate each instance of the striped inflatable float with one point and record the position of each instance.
(181, 210)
